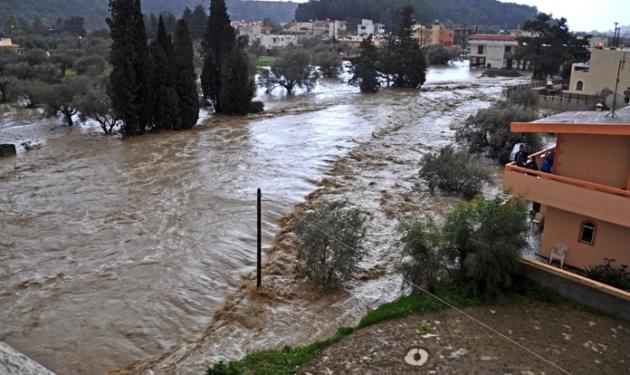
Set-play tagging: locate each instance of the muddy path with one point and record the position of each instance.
(380, 176)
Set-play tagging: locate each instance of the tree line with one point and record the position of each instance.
(471, 12)
(401, 62)
(153, 86)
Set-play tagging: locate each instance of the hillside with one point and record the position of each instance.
(95, 11)
(470, 12)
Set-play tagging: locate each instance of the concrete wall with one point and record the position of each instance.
(611, 241)
(603, 159)
(602, 72)
(580, 289)
(13, 362)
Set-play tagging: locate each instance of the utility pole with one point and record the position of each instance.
(259, 241)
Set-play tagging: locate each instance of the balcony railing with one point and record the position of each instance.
(568, 180)
(585, 198)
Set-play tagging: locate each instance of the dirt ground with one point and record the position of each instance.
(577, 341)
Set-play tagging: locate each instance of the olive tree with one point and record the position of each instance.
(292, 68)
(329, 243)
(454, 171)
(488, 132)
(95, 105)
(61, 98)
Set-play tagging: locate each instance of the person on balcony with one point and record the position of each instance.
(521, 156)
(547, 163)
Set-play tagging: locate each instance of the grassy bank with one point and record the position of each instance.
(287, 360)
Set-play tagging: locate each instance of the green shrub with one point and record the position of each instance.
(488, 132)
(484, 239)
(329, 63)
(454, 171)
(437, 54)
(616, 277)
(423, 260)
(329, 243)
(525, 97)
(503, 72)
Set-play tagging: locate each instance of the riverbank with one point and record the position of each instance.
(380, 176)
(554, 336)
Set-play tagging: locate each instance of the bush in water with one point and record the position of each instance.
(488, 132)
(423, 260)
(455, 171)
(329, 243)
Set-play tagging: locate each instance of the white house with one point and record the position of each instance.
(369, 27)
(271, 41)
(492, 51)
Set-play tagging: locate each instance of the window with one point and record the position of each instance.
(508, 49)
(579, 86)
(587, 233)
(480, 50)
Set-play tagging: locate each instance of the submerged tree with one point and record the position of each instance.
(329, 63)
(329, 243)
(365, 68)
(291, 69)
(61, 98)
(129, 83)
(95, 105)
(218, 43)
(488, 132)
(185, 78)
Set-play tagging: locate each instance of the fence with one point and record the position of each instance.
(555, 97)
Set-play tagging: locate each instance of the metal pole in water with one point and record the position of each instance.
(259, 239)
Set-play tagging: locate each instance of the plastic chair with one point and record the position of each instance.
(558, 252)
(538, 219)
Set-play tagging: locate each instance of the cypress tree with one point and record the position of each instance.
(219, 42)
(237, 85)
(365, 70)
(129, 81)
(185, 78)
(165, 105)
(199, 22)
(409, 63)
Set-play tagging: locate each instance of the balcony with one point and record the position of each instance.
(581, 197)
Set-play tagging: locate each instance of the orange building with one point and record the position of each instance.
(436, 34)
(585, 194)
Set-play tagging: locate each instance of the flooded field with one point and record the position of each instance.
(113, 251)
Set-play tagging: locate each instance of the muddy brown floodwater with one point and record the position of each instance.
(113, 251)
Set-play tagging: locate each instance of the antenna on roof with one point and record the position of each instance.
(611, 100)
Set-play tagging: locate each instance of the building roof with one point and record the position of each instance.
(580, 122)
(493, 37)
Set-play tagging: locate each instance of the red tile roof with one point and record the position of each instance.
(493, 37)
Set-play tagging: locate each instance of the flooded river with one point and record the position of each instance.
(113, 251)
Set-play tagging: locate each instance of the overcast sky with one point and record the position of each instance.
(583, 15)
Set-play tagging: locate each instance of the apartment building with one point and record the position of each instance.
(436, 34)
(492, 50)
(584, 192)
(601, 72)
